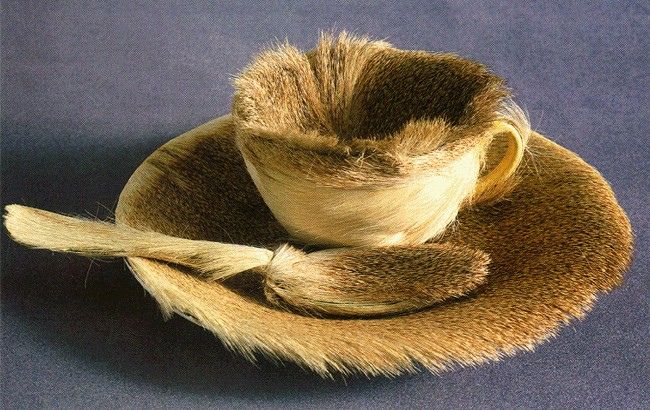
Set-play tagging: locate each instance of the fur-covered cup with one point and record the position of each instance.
(359, 143)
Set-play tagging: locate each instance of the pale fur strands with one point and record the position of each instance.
(409, 211)
(333, 282)
(47, 230)
(337, 62)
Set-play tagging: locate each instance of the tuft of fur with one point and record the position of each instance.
(47, 230)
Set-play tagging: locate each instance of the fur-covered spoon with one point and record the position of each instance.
(345, 281)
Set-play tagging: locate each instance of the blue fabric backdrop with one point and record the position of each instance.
(90, 89)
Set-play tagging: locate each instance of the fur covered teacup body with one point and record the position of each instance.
(359, 143)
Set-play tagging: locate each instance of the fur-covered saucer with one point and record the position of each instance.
(555, 241)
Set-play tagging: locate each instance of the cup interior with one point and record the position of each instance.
(356, 89)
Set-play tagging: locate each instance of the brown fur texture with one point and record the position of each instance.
(373, 281)
(555, 241)
(355, 143)
(354, 111)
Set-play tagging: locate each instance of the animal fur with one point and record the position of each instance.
(358, 143)
(346, 281)
(375, 281)
(47, 230)
(556, 239)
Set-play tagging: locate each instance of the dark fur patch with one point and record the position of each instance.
(400, 86)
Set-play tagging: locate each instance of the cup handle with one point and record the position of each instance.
(493, 184)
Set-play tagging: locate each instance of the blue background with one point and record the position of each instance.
(89, 90)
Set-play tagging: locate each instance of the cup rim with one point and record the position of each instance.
(279, 96)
